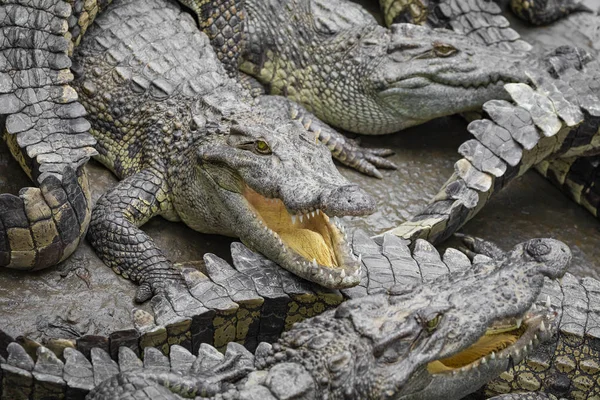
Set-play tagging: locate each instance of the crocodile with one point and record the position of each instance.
(548, 125)
(339, 68)
(411, 353)
(188, 144)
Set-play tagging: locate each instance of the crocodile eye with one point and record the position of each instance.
(444, 50)
(262, 147)
(432, 324)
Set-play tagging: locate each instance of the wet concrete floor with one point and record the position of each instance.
(82, 296)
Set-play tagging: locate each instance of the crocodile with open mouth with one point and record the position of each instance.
(189, 145)
(445, 335)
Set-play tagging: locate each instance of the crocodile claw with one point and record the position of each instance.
(364, 159)
(474, 246)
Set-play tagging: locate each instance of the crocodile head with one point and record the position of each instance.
(443, 339)
(391, 79)
(429, 73)
(277, 189)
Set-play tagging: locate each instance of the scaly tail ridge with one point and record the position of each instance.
(550, 119)
(45, 129)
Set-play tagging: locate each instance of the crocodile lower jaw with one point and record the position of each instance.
(310, 245)
(503, 341)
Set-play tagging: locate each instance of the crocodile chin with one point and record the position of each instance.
(312, 245)
(506, 339)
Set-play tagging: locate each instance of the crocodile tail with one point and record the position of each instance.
(578, 177)
(555, 118)
(480, 20)
(46, 131)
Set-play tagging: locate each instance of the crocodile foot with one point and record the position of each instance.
(363, 159)
(474, 246)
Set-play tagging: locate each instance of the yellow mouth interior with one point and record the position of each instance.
(492, 341)
(313, 238)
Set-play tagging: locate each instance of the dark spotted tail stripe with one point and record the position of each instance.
(553, 119)
(46, 131)
(578, 177)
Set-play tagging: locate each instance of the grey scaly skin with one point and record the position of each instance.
(480, 20)
(385, 80)
(44, 126)
(567, 366)
(189, 146)
(340, 67)
(435, 12)
(546, 368)
(328, 355)
(546, 126)
(544, 12)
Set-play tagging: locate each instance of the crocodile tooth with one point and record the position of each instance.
(300, 217)
(531, 343)
(519, 322)
(534, 307)
(517, 353)
(493, 356)
(312, 213)
(314, 263)
(293, 220)
(483, 360)
(536, 340)
(307, 215)
(542, 327)
(330, 277)
(548, 302)
(318, 211)
(343, 274)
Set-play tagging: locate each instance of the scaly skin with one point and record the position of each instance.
(480, 20)
(544, 12)
(328, 355)
(432, 12)
(44, 126)
(567, 366)
(343, 69)
(368, 79)
(546, 126)
(189, 146)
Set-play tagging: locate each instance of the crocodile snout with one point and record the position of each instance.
(348, 200)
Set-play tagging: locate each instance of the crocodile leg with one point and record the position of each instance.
(345, 150)
(115, 235)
